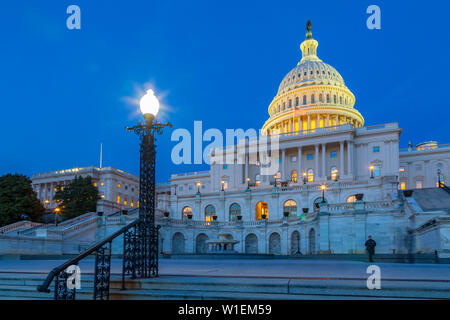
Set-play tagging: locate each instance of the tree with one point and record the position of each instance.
(17, 199)
(77, 198)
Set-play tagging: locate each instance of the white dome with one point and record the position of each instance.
(309, 73)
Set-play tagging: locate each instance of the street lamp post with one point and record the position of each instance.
(304, 177)
(323, 187)
(372, 168)
(248, 184)
(439, 177)
(148, 232)
(223, 184)
(198, 187)
(56, 215)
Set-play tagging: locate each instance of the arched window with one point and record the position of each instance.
(187, 211)
(351, 199)
(320, 98)
(335, 99)
(313, 99)
(334, 173)
(317, 202)
(304, 99)
(310, 174)
(210, 211)
(328, 98)
(340, 100)
(290, 103)
(290, 206)
(294, 176)
(235, 210)
(262, 210)
(296, 101)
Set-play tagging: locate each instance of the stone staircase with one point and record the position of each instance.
(22, 286)
(432, 198)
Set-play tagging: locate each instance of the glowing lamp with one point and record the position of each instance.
(323, 187)
(149, 103)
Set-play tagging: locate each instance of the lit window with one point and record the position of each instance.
(118, 199)
(294, 176)
(47, 201)
(102, 183)
(290, 207)
(377, 170)
(210, 211)
(351, 199)
(419, 185)
(119, 185)
(310, 175)
(333, 154)
(402, 169)
(334, 173)
(376, 149)
(125, 202)
(132, 203)
(402, 185)
(309, 156)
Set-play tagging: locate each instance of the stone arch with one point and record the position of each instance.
(290, 207)
(312, 241)
(178, 243)
(317, 201)
(187, 210)
(201, 245)
(234, 210)
(295, 242)
(251, 243)
(275, 244)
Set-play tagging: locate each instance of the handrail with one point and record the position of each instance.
(444, 187)
(44, 287)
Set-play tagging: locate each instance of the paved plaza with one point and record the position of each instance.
(264, 268)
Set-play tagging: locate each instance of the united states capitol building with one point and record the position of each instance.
(323, 144)
(338, 181)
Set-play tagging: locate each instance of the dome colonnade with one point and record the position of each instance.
(312, 95)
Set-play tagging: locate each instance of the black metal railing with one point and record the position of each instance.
(443, 186)
(136, 237)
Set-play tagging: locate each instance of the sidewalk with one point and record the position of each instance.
(307, 269)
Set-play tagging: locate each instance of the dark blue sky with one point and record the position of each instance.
(63, 92)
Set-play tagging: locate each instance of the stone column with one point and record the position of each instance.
(246, 169)
(309, 122)
(283, 164)
(316, 157)
(341, 154)
(328, 120)
(318, 121)
(299, 168)
(350, 158)
(324, 164)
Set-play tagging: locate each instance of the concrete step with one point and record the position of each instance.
(390, 289)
